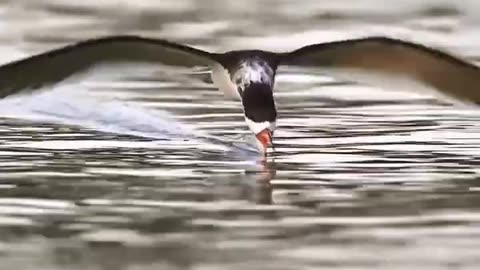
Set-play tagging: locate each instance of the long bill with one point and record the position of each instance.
(265, 139)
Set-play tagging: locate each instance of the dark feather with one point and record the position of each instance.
(384, 56)
(258, 103)
(56, 65)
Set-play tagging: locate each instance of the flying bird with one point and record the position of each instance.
(249, 75)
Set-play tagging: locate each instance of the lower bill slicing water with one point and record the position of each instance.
(71, 105)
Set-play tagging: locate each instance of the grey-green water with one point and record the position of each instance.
(362, 178)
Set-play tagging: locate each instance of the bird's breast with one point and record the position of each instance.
(252, 71)
(222, 80)
(235, 79)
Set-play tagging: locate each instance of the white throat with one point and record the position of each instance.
(258, 127)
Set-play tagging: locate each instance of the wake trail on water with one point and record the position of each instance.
(65, 105)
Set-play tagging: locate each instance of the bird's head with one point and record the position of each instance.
(260, 113)
(253, 75)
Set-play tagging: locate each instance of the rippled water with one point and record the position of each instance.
(92, 177)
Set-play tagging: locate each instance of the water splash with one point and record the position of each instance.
(72, 105)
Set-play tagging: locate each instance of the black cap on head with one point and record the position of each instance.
(258, 103)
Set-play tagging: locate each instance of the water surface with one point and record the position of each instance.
(92, 177)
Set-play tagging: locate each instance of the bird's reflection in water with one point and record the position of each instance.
(263, 187)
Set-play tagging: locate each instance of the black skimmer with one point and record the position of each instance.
(249, 75)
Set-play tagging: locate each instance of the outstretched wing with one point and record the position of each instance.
(54, 66)
(392, 58)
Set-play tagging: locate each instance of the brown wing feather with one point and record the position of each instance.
(54, 66)
(450, 75)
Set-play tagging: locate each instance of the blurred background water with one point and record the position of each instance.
(97, 175)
